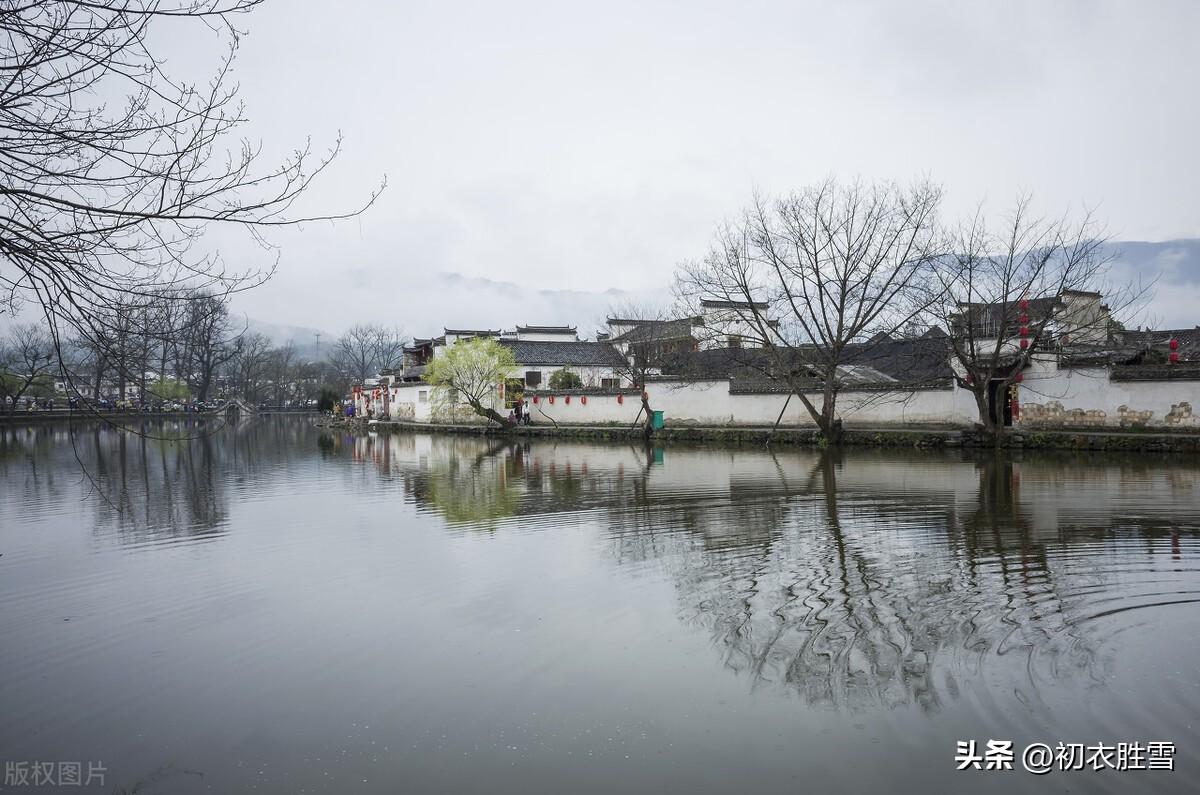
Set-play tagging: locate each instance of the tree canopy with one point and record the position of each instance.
(473, 370)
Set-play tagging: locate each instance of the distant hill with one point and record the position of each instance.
(305, 339)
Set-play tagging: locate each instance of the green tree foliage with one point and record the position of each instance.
(169, 389)
(472, 370)
(565, 379)
(329, 398)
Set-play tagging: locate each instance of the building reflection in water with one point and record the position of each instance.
(877, 578)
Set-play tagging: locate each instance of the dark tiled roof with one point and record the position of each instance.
(1184, 371)
(987, 317)
(656, 330)
(466, 332)
(709, 303)
(903, 361)
(546, 329)
(598, 354)
(1158, 340)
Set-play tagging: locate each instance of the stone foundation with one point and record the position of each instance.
(1053, 414)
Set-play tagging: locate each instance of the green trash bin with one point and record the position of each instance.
(656, 420)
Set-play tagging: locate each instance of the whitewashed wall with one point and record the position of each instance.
(1090, 389)
(590, 376)
(596, 410)
(710, 403)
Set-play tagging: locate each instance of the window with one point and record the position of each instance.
(533, 377)
(610, 383)
(735, 341)
(423, 396)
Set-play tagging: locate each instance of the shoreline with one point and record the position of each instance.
(1114, 440)
(116, 417)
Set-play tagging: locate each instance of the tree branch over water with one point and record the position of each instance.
(112, 169)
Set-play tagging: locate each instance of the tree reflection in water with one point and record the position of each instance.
(173, 482)
(878, 579)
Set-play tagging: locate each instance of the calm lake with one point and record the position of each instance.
(275, 608)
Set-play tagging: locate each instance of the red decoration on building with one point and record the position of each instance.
(1019, 377)
(1024, 331)
(551, 399)
(1173, 358)
(969, 379)
(620, 398)
(535, 400)
(1173, 344)
(567, 399)
(583, 399)
(645, 396)
(1024, 344)
(1024, 318)
(1024, 304)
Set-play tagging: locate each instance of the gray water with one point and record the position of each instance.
(273, 608)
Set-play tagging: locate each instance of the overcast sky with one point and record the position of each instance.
(592, 146)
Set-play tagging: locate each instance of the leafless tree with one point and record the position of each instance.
(111, 169)
(27, 357)
(250, 366)
(210, 341)
(651, 340)
(284, 373)
(1026, 286)
(365, 349)
(813, 276)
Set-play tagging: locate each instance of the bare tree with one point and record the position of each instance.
(284, 374)
(365, 349)
(814, 276)
(27, 357)
(1023, 288)
(250, 366)
(211, 339)
(651, 340)
(389, 348)
(111, 169)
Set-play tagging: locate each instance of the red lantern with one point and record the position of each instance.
(1019, 377)
(645, 396)
(1024, 318)
(567, 399)
(583, 399)
(551, 399)
(535, 400)
(620, 399)
(1173, 358)
(1024, 344)
(969, 379)
(1024, 331)
(1024, 303)
(1173, 344)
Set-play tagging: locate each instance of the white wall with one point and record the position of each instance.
(710, 403)
(591, 376)
(585, 409)
(1090, 389)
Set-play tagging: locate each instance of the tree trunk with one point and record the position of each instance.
(830, 424)
(831, 431)
(491, 414)
(648, 427)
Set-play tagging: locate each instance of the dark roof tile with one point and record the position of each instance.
(596, 354)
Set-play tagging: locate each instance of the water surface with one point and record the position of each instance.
(271, 608)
